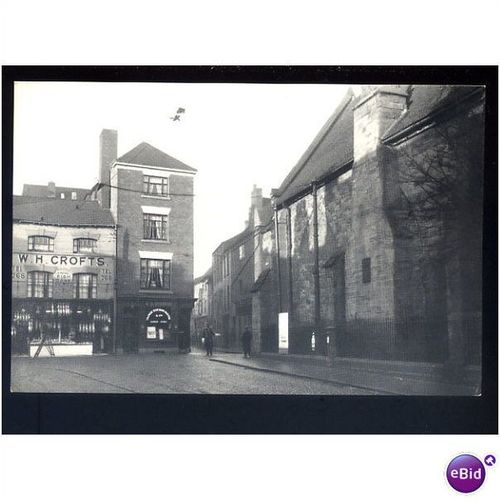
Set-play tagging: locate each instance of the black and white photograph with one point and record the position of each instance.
(249, 249)
(247, 238)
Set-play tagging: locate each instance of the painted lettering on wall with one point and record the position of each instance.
(61, 260)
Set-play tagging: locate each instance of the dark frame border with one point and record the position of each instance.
(233, 414)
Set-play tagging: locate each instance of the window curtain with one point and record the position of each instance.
(155, 278)
(155, 227)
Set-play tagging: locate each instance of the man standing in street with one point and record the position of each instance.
(208, 336)
(247, 341)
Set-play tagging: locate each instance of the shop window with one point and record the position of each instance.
(155, 274)
(155, 186)
(40, 284)
(155, 227)
(41, 243)
(84, 245)
(85, 285)
(366, 270)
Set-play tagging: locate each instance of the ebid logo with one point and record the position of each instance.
(466, 473)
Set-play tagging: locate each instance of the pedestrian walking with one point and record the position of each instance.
(208, 336)
(247, 341)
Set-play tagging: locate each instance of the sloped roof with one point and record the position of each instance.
(60, 212)
(234, 240)
(145, 154)
(42, 191)
(206, 276)
(331, 149)
(425, 100)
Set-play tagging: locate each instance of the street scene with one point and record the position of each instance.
(340, 255)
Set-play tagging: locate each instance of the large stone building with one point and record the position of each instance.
(151, 199)
(383, 224)
(63, 270)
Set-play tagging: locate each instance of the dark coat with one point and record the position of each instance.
(209, 336)
(247, 336)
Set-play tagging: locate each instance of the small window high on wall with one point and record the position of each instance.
(155, 186)
(366, 267)
(41, 243)
(84, 245)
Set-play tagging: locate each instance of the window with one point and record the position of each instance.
(62, 196)
(225, 265)
(155, 227)
(85, 285)
(73, 195)
(156, 186)
(84, 245)
(242, 252)
(39, 284)
(155, 274)
(41, 243)
(367, 271)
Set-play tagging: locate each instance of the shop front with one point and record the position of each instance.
(70, 327)
(146, 325)
(62, 301)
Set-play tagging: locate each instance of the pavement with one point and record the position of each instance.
(384, 378)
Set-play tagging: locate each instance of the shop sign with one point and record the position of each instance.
(59, 260)
(65, 266)
(158, 316)
(62, 276)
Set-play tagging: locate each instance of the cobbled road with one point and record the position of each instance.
(168, 373)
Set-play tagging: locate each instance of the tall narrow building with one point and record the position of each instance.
(151, 199)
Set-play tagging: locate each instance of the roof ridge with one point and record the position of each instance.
(145, 154)
(318, 139)
(443, 104)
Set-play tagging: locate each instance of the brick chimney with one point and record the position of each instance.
(51, 190)
(108, 151)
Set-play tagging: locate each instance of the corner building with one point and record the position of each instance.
(63, 269)
(151, 199)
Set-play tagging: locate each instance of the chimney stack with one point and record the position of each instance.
(51, 190)
(379, 106)
(108, 151)
(256, 196)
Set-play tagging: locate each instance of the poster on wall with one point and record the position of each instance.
(283, 331)
(151, 332)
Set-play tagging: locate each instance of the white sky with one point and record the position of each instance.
(236, 135)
